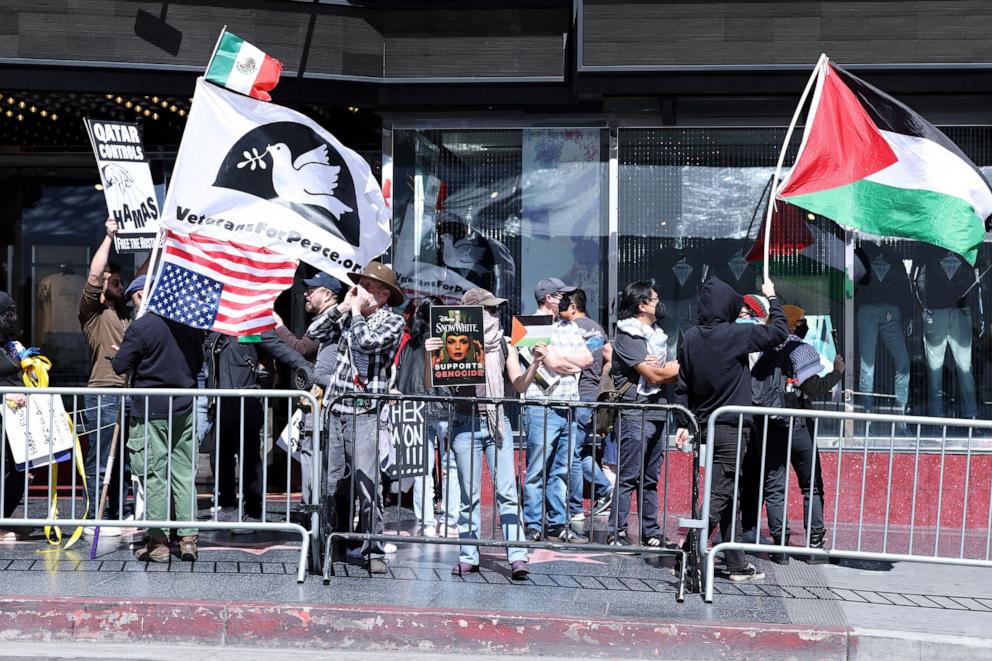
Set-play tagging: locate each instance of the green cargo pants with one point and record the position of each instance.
(149, 446)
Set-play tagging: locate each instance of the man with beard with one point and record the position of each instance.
(103, 317)
(322, 292)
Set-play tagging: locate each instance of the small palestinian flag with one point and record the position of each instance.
(241, 67)
(530, 330)
(869, 163)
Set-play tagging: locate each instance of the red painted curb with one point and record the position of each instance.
(262, 624)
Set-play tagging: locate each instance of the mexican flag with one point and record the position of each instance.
(242, 67)
(868, 162)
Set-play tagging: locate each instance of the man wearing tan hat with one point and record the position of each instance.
(368, 335)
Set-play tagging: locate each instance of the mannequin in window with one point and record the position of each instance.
(883, 313)
(942, 282)
(678, 275)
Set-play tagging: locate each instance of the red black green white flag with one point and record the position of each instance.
(868, 162)
(242, 67)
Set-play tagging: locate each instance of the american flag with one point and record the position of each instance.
(219, 285)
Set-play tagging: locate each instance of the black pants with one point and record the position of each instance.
(249, 463)
(723, 512)
(641, 451)
(804, 462)
(13, 484)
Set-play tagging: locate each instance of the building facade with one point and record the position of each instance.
(598, 141)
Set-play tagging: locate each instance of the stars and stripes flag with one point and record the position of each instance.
(217, 285)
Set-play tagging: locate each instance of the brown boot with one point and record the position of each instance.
(187, 548)
(155, 550)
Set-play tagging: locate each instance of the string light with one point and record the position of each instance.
(44, 113)
(147, 113)
(137, 109)
(33, 109)
(182, 113)
(154, 115)
(54, 117)
(172, 108)
(118, 99)
(128, 104)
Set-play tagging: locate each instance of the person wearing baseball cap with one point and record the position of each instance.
(550, 438)
(367, 334)
(323, 291)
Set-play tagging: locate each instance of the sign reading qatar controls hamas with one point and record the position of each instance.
(127, 182)
(258, 174)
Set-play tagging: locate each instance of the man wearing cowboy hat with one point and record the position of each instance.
(368, 334)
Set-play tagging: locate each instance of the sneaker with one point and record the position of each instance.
(566, 533)
(532, 535)
(187, 548)
(428, 531)
(518, 570)
(602, 504)
(224, 514)
(388, 548)
(7, 536)
(610, 475)
(749, 573)
(621, 540)
(578, 517)
(378, 566)
(155, 550)
(451, 532)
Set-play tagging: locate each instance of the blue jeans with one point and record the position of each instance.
(584, 467)
(550, 442)
(99, 416)
(423, 487)
(881, 320)
(470, 438)
(950, 326)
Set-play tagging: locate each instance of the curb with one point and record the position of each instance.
(271, 625)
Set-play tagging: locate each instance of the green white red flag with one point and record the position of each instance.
(868, 162)
(242, 67)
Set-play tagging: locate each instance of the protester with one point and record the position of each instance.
(550, 430)
(11, 374)
(103, 317)
(585, 467)
(640, 366)
(233, 363)
(367, 333)
(485, 429)
(713, 372)
(163, 354)
(322, 292)
(788, 376)
(410, 381)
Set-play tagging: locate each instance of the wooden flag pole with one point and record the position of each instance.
(818, 71)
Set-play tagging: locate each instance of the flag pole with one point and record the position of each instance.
(817, 71)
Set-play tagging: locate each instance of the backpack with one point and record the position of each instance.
(606, 416)
(770, 383)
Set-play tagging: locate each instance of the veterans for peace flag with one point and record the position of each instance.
(223, 286)
(868, 162)
(262, 176)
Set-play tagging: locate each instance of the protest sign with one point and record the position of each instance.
(38, 432)
(461, 360)
(408, 432)
(127, 182)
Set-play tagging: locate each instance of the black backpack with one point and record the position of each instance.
(770, 385)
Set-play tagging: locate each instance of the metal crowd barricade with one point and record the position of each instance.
(275, 514)
(463, 415)
(896, 488)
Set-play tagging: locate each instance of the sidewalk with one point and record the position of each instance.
(242, 593)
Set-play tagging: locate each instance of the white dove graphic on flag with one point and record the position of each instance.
(310, 179)
(269, 177)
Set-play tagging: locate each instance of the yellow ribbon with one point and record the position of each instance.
(35, 375)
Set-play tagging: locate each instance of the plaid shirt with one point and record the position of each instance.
(364, 358)
(567, 336)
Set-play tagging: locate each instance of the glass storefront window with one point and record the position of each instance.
(501, 209)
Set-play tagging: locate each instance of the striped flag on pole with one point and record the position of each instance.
(217, 285)
(242, 67)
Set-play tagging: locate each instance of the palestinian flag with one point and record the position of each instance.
(241, 67)
(529, 330)
(869, 163)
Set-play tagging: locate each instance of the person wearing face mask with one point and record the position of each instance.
(640, 366)
(798, 364)
(367, 333)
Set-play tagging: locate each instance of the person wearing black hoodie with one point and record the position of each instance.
(714, 372)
